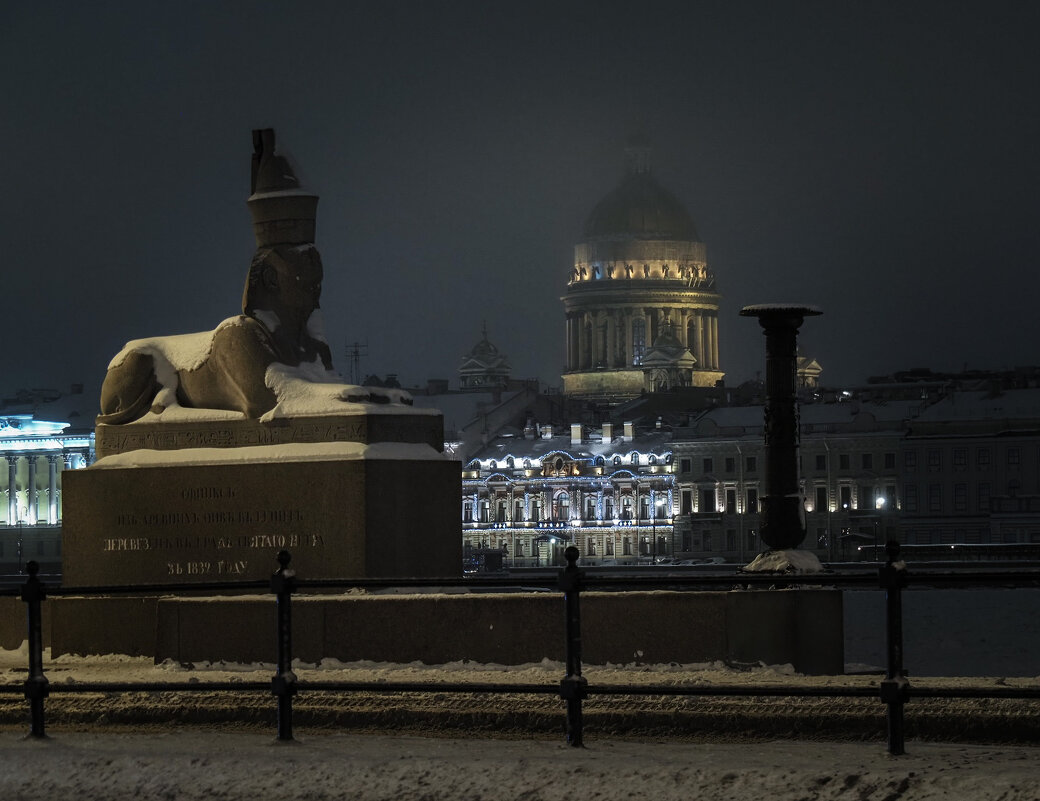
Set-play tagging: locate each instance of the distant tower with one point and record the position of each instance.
(484, 368)
(640, 274)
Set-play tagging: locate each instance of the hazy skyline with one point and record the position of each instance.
(877, 160)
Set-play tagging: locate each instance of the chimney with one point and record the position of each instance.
(630, 432)
(608, 432)
(575, 433)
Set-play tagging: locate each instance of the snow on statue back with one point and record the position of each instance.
(230, 368)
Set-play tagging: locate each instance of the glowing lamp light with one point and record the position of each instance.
(879, 503)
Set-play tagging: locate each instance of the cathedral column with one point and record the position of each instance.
(611, 341)
(31, 489)
(699, 327)
(582, 343)
(599, 345)
(12, 489)
(52, 488)
(715, 342)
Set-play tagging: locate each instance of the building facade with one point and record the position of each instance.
(36, 453)
(610, 494)
(640, 285)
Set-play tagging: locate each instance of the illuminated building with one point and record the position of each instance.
(37, 451)
(640, 288)
(612, 496)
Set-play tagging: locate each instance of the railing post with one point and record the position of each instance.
(283, 685)
(573, 686)
(895, 689)
(36, 685)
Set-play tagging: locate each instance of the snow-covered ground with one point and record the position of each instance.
(204, 764)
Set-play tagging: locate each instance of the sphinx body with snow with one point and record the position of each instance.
(249, 361)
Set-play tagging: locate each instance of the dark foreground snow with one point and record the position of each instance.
(205, 764)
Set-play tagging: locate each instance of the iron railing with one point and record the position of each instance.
(894, 691)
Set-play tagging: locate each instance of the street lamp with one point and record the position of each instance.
(879, 505)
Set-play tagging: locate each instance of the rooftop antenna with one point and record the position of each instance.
(354, 351)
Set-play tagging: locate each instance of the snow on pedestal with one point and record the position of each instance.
(790, 560)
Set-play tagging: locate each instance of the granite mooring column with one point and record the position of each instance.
(782, 506)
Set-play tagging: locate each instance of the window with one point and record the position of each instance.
(843, 461)
(590, 509)
(821, 461)
(731, 464)
(752, 501)
(866, 497)
(960, 497)
(685, 465)
(500, 511)
(910, 497)
(890, 461)
(821, 538)
(518, 510)
(519, 548)
(910, 460)
(935, 497)
(751, 465)
(751, 539)
(983, 496)
(610, 546)
(846, 497)
(686, 501)
(608, 508)
(563, 507)
(591, 543)
(626, 507)
(687, 541)
(626, 546)
(821, 499)
(485, 511)
(960, 458)
(617, 461)
(867, 461)
(890, 497)
(731, 501)
(731, 540)
(934, 459)
(467, 512)
(982, 459)
(1013, 457)
(708, 502)
(706, 541)
(708, 467)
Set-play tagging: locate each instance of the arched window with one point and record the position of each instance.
(600, 461)
(492, 465)
(653, 459)
(617, 461)
(634, 458)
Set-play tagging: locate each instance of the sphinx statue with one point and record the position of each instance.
(241, 365)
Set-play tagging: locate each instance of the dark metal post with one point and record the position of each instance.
(283, 685)
(782, 511)
(895, 689)
(36, 688)
(573, 686)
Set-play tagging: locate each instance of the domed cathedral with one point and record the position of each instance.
(640, 288)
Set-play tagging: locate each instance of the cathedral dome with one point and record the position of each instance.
(640, 208)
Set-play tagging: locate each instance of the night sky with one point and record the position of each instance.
(879, 160)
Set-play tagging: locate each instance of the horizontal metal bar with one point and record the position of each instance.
(785, 690)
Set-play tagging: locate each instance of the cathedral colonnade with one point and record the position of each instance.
(617, 338)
